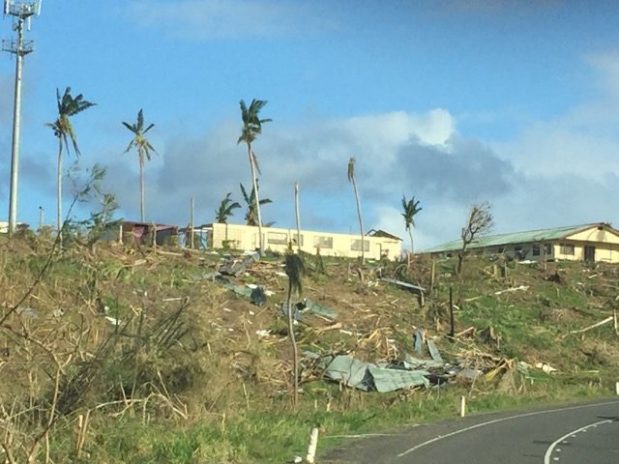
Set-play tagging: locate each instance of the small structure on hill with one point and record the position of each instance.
(596, 242)
(141, 233)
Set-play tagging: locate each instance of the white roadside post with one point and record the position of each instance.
(313, 444)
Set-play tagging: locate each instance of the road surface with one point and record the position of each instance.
(577, 434)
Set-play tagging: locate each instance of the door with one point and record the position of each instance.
(589, 253)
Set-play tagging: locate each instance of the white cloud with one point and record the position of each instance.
(216, 19)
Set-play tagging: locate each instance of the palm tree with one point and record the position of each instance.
(353, 180)
(252, 127)
(252, 216)
(143, 147)
(63, 129)
(226, 208)
(294, 270)
(411, 208)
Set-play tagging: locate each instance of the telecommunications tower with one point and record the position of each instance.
(21, 11)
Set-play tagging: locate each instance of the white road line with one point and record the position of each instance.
(495, 421)
(570, 434)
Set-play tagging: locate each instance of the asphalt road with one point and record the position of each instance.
(578, 434)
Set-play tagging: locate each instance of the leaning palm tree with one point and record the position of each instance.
(252, 127)
(411, 208)
(353, 180)
(63, 129)
(226, 209)
(294, 270)
(252, 216)
(143, 147)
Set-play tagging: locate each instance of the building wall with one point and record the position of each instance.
(566, 250)
(604, 252)
(242, 237)
(595, 234)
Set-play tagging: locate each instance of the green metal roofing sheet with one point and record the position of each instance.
(540, 235)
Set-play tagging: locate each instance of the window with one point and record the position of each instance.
(501, 250)
(277, 238)
(536, 250)
(548, 249)
(567, 249)
(356, 245)
(323, 242)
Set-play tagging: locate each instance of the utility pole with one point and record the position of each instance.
(21, 12)
(41, 215)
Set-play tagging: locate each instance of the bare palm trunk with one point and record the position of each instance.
(410, 234)
(295, 353)
(141, 187)
(354, 186)
(59, 191)
(256, 197)
(298, 215)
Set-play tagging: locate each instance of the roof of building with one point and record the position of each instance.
(531, 236)
(382, 233)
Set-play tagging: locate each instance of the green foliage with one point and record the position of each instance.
(252, 124)
(68, 106)
(251, 216)
(226, 209)
(295, 269)
(139, 141)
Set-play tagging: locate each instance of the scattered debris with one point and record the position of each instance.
(547, 368)
(598, 324)
(29, 312)
(434, 353)
(262, 333)
(316, 308)
(513, 289)
(410, 287)
(258, 296)
(113, 320)
(371, 377)
(235, 267)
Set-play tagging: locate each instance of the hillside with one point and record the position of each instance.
(141, 355)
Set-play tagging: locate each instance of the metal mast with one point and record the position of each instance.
(21, 12)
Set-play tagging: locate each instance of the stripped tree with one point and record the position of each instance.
(252, 127)
(411, 208)
(143, 147)
(479, 223)
(63, 129)
(352, 179)
(294, 270)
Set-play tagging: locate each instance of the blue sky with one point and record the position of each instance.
(453, 101)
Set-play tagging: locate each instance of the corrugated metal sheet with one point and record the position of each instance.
(532, 236)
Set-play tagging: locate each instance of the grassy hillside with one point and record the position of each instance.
(144, 356)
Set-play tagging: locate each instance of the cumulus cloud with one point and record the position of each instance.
(397, 153)
(225, 19)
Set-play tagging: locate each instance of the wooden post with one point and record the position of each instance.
(432, 275)
(462, 406)
(154, 236)
(615, 321)
(120, 234)
(452, 325)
